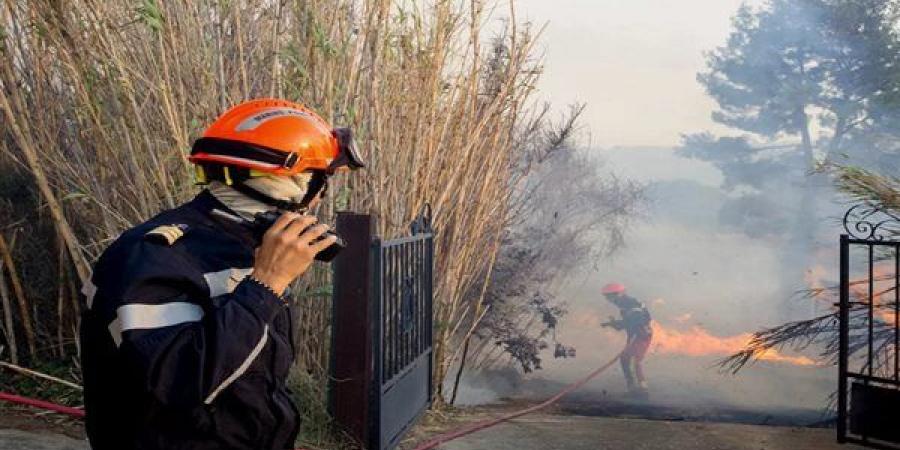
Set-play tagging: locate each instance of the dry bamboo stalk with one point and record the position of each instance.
(472, 328)
(8, 319)
(480, 310)
(245, 89)
(60, 298)
(410, 87)
(36, 374)
(34, 165)
(24, 311)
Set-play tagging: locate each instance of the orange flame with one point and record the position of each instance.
(696, 341)
(882, 291)
(817, 279)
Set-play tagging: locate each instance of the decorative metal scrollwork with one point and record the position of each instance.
(868, 222)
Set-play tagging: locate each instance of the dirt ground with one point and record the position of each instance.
(23, 429)
(30, 440)
(557, 429)
(20, 430)
(28, 419)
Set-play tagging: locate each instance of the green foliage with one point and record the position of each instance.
(790, 56)
(150, 14)
(323, 42)
(295, 60)
(45, 390)
(316, 427)
(314, 292)
(342, 198)
(39, 29)
(767, 73)
(797, 68)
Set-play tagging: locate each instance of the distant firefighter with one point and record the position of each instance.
(635, 320)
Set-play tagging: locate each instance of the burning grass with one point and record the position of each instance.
(684, 339)
(697, 341)
(821, 332)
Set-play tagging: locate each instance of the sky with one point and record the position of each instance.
(633, 62)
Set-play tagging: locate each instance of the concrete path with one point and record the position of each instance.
(602, 433)
(551, 432)
(25, 440)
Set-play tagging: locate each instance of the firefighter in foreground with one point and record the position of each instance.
(188, 337)
(635, 320)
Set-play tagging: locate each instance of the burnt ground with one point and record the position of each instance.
(670, 403)
(710, 412)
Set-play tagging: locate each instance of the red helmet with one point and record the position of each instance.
(614, 288)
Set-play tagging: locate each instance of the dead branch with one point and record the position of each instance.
(9, 330)
(36, 374)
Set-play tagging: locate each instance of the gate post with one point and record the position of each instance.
(843, 337)
(350, 387)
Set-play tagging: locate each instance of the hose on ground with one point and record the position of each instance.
(35, 403)
(477, 426)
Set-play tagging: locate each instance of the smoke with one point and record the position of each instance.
(708, 285)
(738, 225)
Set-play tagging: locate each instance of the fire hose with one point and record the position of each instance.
(428, 445)
(477, 426)
(67, 410)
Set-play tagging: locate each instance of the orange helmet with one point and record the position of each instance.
(274, 137)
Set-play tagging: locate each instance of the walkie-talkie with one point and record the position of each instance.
(263, 221)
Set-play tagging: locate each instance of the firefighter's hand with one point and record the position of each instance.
(287, 250)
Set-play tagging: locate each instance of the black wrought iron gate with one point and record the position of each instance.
(382, 330)
(868, 397)
(403, 357)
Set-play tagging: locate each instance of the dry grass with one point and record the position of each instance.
(864, 186)
(101, 99)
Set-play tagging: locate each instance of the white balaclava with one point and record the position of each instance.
(289, 188)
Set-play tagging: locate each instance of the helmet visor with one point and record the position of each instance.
(348, 153)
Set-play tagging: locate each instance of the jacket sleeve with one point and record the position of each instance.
(614, 324)
(181, 351)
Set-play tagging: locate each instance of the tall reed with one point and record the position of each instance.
(101, 100)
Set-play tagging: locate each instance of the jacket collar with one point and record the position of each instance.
(205, 203)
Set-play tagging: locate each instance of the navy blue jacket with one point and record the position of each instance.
(179, 350)
(635, 318)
